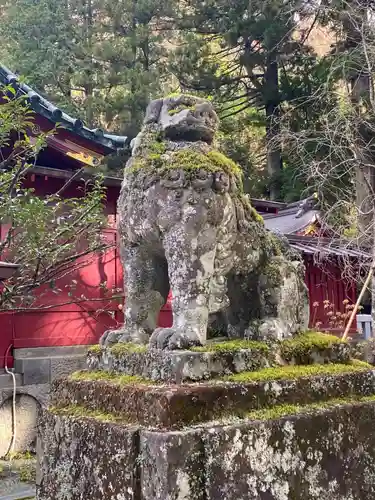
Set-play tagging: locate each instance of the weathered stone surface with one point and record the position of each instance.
(172, 465)
(6, 381)
(49, 352)
(185, 224)
(82, 458)
(61, 366)
(330, 454)
(41, 365)
(181, 366)
(175, 406)
(34, 370)
(184, 366)
(364, 350)
(324, 454)
(26, 422)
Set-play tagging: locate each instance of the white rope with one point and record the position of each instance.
(14, 424)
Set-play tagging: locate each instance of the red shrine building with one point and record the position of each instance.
(26, 335)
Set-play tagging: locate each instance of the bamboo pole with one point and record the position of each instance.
(357, 304)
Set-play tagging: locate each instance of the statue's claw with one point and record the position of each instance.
(180, 340)
(171, 339)
(110, 337)
(160, 338)
(136, 335)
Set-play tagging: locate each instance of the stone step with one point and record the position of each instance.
(43, 370)
(48, 352)
(17, 491)
(136, 400)
(217, 359)
(6, 380)
(323, 454)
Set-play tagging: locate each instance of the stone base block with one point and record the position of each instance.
(174, 406)
(329, 454)
(217, 359)
(322, 454)
(82, 458)
(178, 366)
(172, 465)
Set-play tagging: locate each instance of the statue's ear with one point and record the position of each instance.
(153, 111)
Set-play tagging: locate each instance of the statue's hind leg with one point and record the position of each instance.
(283, 300)
(146, 287)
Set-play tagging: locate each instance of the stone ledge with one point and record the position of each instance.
(323, 454)
(218, 359)
(174, 406)
(45, 369)
(179, 366)
(48, 352)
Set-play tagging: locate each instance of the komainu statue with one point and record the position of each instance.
(186, 226)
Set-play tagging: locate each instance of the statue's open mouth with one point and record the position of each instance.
(192, 129)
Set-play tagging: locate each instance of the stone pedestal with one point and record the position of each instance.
(276, 431)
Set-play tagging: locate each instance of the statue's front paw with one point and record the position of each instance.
(171, 339)
(110, 337)
(180, 340)
(160, 338)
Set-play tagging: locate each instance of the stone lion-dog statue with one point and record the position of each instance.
(185, 225)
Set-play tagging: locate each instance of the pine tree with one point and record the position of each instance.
(102, 60)
(237, 51)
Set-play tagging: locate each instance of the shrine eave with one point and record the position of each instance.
(45, 108)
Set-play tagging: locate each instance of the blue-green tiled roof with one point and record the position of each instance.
(45, 108)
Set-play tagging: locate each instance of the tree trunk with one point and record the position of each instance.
(272, 107)
(360, 91)
(354, 19)
(89, 86)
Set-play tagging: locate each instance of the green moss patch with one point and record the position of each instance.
(95, 349)
(189, 160)
(112, 377)
(222, 162)
(233, 346)
(283, 410)
(78, 411)
(179, 108)
(302, 347)
(157, 147)
(244, 200)
(126, 347)
(291, 372)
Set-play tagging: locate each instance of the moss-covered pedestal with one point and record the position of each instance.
(237, 420)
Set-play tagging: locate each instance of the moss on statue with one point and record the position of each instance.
(110, 377)
(273, 275)
(233, 346)
(279, 411)
(179, 108)
(250, 209)
(189, 160)
(301, 347)
(291, 372)
(78, 411)
(95, 349)
(126, 347)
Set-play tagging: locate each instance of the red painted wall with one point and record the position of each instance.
(71, 324)
(327, 284)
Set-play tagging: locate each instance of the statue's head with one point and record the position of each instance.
(183, 117)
